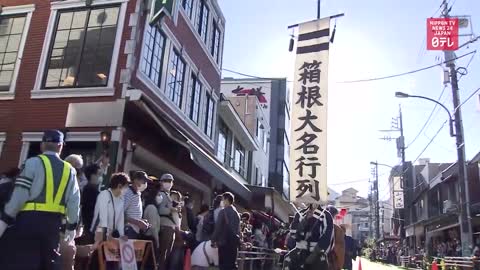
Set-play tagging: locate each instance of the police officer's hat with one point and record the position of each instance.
(53, 136)
(166, 177)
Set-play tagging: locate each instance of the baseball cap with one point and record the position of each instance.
(141, 175)
(53, 136)
(166, 177)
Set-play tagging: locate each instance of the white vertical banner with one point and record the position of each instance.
(308, 147)
(398, 198)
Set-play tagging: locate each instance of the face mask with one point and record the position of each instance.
(158, 199)
(142, 187)
(167, 186)
(222, 204)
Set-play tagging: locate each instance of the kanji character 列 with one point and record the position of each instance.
(306, 185)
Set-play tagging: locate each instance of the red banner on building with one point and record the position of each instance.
(442, 34)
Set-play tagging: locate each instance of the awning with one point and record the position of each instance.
(215, 169)
(201, 158)
(263, 199)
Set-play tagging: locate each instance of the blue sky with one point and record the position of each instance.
(375, 38)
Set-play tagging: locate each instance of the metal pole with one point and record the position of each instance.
(464, 217)
(318, 9)
(401, 212)
(377, 205)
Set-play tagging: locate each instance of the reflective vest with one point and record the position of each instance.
(48, 201)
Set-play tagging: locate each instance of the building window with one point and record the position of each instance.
(257, 133)
(264, 181)
(202, 20)
(195, 91)
(215, 42)
(238, 162)
(209, 116)
(176, 72)
(222, 142)
(82, 48)
(11, 32)
(152, 58)
(257, 175)
(188, 7)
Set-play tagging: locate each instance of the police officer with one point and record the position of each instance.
(313, 231)
(44, 193)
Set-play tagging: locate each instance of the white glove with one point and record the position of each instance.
(69, 236)
(3, 227)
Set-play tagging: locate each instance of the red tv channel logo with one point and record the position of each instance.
(442, 34)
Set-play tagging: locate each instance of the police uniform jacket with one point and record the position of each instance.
(30, 186)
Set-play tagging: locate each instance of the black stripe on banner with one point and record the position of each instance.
(315, 34)
(313, 48)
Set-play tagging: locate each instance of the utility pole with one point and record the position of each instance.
(464, 217)
(401, 146)
(377, 204)
(318, 9)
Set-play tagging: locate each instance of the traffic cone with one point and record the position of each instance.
(360, 263)
(434, 265)
(187, 264)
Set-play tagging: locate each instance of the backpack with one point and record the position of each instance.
(209, 223)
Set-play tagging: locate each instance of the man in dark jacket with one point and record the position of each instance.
(227, 233)
(350, 250)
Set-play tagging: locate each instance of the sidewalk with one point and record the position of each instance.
(368, 265)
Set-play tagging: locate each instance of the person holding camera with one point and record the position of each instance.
(109, 218)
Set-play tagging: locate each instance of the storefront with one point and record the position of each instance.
(443, 235)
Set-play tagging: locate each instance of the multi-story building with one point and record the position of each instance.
(433, 205)
(354, 206)
(144, 94)
(269, 118)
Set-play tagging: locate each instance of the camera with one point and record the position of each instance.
(175, 204)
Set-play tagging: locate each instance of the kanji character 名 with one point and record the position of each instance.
(311, 72)
(307, 146)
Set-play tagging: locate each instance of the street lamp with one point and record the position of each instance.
(450, 118)
(464, 198)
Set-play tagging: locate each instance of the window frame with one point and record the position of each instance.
(190, 12)
(209, 114)
(78, 64)
(200, 24)
(222, 155)
(171, 94)
(159, 32)
(242, 159)
(3, 138)
(27, 11)
(215, 41)
(41, 93)
(192, 23)
(195, 81)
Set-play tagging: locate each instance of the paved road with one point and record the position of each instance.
(367, 265)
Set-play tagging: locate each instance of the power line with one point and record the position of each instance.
(252, 76)
(466, 100)
(406, 73)
(428, 119)
(438, 99)
(430, 142)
